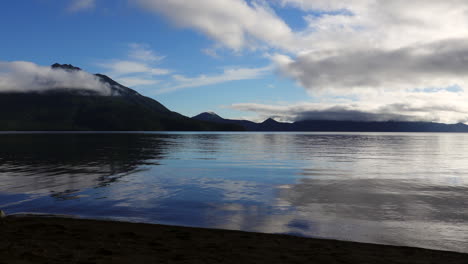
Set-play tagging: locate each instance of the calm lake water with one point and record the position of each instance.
(400, 189)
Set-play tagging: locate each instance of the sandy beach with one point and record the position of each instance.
(35, 239)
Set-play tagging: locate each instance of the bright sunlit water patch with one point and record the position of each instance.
(400, 189)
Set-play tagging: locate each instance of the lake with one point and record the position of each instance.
(389, 188)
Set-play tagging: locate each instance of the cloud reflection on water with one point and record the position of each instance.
(404, 189)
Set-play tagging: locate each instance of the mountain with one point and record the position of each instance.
(213, 117)
(337, 126)
(387, 126)
(210, 117)
(272, 125)
(86, 110)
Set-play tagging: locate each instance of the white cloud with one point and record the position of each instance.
(235, 23)
(362, 48)
(138, 69)
(124, 67)
(379, 45)
(441, 105)
(80, 5)
(342, 42)
(239, 24)
(131, 81)
(142, 52)
(382, 24)
(228, 75)
(211, 52)
(22, 76)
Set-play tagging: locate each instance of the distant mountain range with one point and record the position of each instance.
(123, 109)
(335, 126)
(83, 109)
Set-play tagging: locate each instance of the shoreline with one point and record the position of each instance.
(55, 239)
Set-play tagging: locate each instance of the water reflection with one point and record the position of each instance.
(392, 200)
(402, 189)
(62, 164)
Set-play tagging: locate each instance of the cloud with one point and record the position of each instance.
(367, 49)
(124, 67)
(228, 75)
(446, 106)
(211, 52)
(234, 23)
(142, 52)
(346, 44)
(81, 5)
(378, 45)
(432, 65)
(331, 25)
(301, 112)
(344, 114)
(138, 68)
(22, 76)
(129, 81)
(380, 23)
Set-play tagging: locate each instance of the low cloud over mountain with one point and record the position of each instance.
(22, 76)
(412, 109)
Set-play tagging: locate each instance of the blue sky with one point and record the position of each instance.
(45, 32)
(255, 59)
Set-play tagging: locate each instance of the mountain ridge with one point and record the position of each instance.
(80, 109)
(343, 126)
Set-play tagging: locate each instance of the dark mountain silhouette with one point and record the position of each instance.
(272, 125)
(80, 109)
(387, 126)
(337, 126)
(213, 117)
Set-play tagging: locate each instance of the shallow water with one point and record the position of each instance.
(400, 189)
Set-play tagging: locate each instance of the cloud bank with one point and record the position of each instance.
(22, 76)
(445, 106)
(437, 64)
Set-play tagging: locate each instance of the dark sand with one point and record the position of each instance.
(63, 240)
